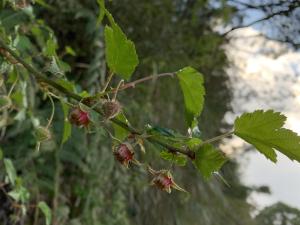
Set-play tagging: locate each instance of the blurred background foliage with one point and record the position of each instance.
(80, 180)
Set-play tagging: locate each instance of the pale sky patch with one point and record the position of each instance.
(265, 75)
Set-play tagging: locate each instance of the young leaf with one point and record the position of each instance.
(119, 132)
(263, 129)
(191, 83)
(178, 159)
(46, 211)
(209, 160)
(120, 52)
(11, 171)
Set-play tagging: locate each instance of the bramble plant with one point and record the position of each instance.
(262, 129)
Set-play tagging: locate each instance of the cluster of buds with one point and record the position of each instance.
(163, 180)
(124, 154)
(79, 117)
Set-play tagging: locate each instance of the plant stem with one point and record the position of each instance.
(56, 186)
(217, 138)
(43, 79)
(107, 82)
(151, 77)
(52, 112)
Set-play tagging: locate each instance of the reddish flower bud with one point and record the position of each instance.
(163, 180)
(124, 154)
(79, 117)
(111, 109)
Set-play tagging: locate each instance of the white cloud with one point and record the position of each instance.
(266, 74)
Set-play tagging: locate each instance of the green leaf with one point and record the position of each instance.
(208, 160)
(67, 126)
(69, 50)
(1, 153)
(20, 194)
(51, 46)
(191, 83)
(264, 130)
(46, 211)
(119, 132)
(11, 171)
(54, 68)
(66, 84)
(120, 52)
(5, 102)
(178, 159)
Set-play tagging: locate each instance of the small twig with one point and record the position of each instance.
(52, 112)
(134, 83)
(107, 82)
(13, 86)
(117, 89)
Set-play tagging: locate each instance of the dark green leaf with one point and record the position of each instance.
(264, 130)
(191, 83)
(209, 160)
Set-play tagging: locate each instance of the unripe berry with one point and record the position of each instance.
(79, 117)
(42, 134)
(111, 109)
(124, 154)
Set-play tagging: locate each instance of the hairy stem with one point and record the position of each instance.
(217, 138)
(110, 76)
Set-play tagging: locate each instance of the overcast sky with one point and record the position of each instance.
(266, 75)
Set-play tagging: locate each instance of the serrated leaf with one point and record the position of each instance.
(11, 171)
(178, 159)
(120, 52)
(208, 160)
(46, 211)
(67, 126)
(191, 83)
(119, 132)
(264, 130)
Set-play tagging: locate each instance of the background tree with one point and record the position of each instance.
(80, 180)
